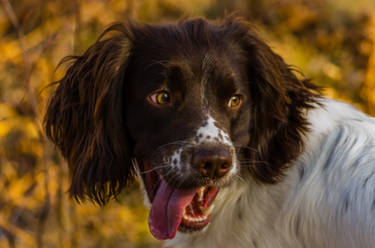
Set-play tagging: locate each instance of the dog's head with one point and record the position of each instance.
(190, 106)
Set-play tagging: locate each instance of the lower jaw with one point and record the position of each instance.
(190, 228)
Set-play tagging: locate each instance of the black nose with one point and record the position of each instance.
(214, 162)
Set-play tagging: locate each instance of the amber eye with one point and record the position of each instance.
(160, 98)
(234, 101)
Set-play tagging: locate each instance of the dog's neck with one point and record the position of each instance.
(246, 210)
(250, 214)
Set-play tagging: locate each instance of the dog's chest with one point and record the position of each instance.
(237, 221)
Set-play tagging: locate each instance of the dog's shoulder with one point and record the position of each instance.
(334, 188)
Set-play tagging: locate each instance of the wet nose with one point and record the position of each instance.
(214, 163)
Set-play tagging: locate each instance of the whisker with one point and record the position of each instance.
(239, 177)
(246, 163)
(255, 163)
(155, 168)
(246, 147)
(252, 161)
(160, 149)
(167, 173)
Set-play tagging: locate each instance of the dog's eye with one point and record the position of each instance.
(161, 98)
(235, 101)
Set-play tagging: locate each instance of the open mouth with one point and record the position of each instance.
(196, 214)
(176, 209)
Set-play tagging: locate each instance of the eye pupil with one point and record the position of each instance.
(163, 98)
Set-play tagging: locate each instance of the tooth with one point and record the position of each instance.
(195, 219)
(207, 211)
(201, 193)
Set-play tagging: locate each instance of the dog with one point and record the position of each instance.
(232, 146)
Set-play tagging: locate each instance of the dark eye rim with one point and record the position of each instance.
(150, 100)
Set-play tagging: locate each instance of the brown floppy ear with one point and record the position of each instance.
(84, 118)
(279, 104)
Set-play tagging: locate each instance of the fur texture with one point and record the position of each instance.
(199, 104)
(326, 199)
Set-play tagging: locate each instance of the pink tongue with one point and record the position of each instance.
(167, 209)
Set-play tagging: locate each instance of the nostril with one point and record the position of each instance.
(223, 169)
(206, 165)
(205, 168)
(224, 165)
(213, 163)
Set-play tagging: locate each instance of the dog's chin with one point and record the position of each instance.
(193, 206)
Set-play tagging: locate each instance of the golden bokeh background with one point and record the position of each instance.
(332, 42)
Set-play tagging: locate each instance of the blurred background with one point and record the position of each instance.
(332, 42)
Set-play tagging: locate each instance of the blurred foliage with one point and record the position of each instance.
(333, 42)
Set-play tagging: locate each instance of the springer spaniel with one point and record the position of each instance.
(232, 148)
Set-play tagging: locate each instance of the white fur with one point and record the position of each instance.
(331, 205)
(212, 131)
(208, 133)
(176, 156)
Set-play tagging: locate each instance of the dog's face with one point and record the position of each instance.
(192, 105)
(190, 115)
